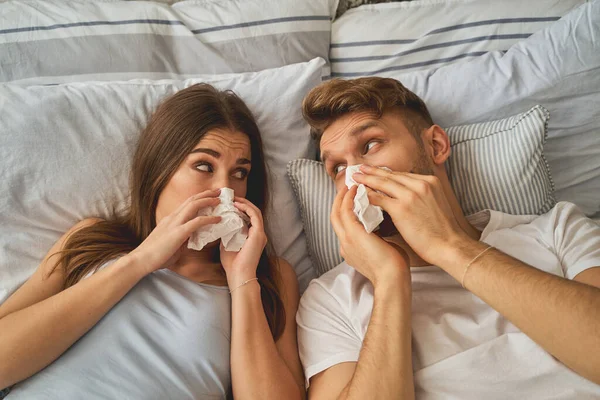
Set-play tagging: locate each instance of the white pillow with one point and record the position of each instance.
(407, 36)
(65, 155)
(496, 165)
(559, 68)
(46, 42)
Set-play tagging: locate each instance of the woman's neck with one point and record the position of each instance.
(201, 266)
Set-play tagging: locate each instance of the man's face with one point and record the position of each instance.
(361, 138)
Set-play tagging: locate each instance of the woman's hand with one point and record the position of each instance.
(162, 248)
(370, 255)
(241, 265)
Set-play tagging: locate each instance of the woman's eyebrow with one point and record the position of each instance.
(210, 152)
(216, 154)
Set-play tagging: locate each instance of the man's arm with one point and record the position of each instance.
(560, 315)
(384, 367)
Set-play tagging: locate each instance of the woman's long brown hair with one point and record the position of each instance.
(174, 130)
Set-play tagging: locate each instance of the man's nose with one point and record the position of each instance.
(353, 160)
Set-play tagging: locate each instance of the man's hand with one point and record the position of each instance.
(370, 255)
(418, 207)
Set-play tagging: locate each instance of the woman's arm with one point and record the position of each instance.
(260, 367)
(40, 321)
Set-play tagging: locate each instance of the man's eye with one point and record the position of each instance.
(338, 168)
(204, 167)
(369, 146)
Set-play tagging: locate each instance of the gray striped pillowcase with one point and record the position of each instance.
(426, 34)
(496, 165)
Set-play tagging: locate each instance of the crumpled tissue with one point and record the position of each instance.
(232, 229)
(369, 215)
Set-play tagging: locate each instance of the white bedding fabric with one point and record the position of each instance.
(65, 155)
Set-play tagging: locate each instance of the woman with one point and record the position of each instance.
(123, 309)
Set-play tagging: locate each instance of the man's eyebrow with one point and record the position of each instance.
(356, 131)
(361, 128)
(216, 154)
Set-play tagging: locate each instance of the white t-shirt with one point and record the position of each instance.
(462, 348)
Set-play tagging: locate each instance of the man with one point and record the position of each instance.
(393, 319)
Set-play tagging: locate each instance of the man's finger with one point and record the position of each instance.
(335, 212)
(381, 200)
(348, 218)
(386, 185)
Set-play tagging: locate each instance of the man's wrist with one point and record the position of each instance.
(394, 281)
(458, 253)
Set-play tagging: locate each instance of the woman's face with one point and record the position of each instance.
(220, 159)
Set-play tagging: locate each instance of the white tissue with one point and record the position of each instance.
(232, 229)
(369, 215)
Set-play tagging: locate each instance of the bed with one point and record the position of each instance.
(79, 78)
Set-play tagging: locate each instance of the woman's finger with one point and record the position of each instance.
(248, 203)
(254, 214)
(196, 223)
(193, 207)
(206, 194)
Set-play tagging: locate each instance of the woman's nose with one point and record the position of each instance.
(221, 181)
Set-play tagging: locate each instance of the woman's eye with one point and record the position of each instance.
(241, 173)
(369, 146)
(338, 168)
(204, 167)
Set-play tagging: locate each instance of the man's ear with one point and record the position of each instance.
(437, 143)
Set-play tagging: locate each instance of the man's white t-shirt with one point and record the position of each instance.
(462, 348)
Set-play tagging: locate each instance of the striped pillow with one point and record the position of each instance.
(67, 41)
(496, 165)
(424, 34)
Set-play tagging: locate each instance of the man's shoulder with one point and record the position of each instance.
(338, 283)
(561, 211)
(562, 214)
